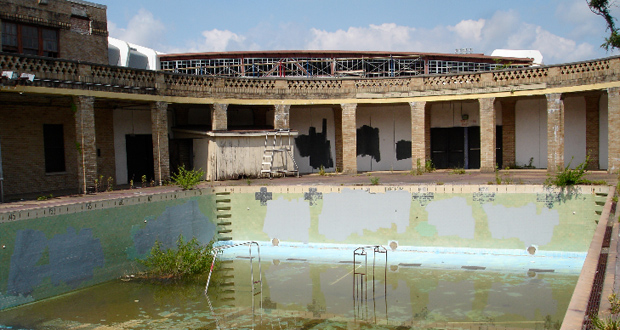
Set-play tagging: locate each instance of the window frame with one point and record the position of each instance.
(47, 45)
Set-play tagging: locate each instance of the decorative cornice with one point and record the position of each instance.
(34, 20)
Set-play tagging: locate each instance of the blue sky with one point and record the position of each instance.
(563, 30)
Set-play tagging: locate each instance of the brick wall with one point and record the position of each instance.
(82, 27)
(281, 116)
(338, 137)
(509, 151)
(419, 140)
(613, 104)
(85, 142)
(219, 117)
(592, 130)
(487, 135)
(161, 151)
(23, 157)
(349, 138)
(555, 132)
(104, 130)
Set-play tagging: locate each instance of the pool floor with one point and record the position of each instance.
(296, 294)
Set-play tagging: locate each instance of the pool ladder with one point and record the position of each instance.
(220, 249)
(360, 281)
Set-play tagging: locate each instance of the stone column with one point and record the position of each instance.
(592, 130)
(613, 123)
(555, 132)
(159, 128)
(509, 149)
(219, 117)
(420, 134)
(487, 135)
(86, 142)
(281, 116)
(348, 131)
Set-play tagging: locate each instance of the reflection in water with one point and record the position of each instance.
(297, 294)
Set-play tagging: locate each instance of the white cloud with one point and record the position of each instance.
(387, 36)
(469, 29)
(142, 29)
(220, 40)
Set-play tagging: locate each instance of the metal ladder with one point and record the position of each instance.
(278, 147)
(360, 282)
(253, 291)
(253, 283)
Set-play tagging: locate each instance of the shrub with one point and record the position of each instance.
(568, 177)
(187, 179)
(189, 258)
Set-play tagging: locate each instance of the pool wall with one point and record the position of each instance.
(51, 251)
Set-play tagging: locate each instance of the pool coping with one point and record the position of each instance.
(576, 313)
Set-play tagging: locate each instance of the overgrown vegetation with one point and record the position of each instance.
(374, 181)
(458, 171)
(189, 258)
(420, 169)
(187, 179)
(569, 177)
(612, 322)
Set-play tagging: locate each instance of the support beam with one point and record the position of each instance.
(592, 130)
(420, 134)
(346, 127)
(281, 116)
(161, 153)
(86, 142)
(555, 132)
(613, 123)
(509, 137)
(487, 135)
(219, 117)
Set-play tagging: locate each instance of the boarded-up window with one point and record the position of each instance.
(54, 147)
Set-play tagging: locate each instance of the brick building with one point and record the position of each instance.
(71, 122)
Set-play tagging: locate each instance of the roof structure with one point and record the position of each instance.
(332, 63)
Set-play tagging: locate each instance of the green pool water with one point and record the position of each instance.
(303, 295)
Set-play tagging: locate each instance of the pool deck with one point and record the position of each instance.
(581, 295)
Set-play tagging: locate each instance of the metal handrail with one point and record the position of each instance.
(218, 249)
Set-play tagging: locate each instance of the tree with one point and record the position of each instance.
(601, 8)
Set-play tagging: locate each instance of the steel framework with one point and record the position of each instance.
(364, 67)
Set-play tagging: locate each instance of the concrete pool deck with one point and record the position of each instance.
(516, 178)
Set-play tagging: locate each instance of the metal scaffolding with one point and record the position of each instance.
(363, 67)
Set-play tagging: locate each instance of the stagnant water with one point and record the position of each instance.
(296, 294)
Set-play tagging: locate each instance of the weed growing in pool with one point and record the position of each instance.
(187, 179)
(189, 258)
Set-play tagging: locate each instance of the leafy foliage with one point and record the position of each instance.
(187, 179)
(568, 177)
(189, 258)
(601, 8)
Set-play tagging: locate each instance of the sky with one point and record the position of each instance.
(562, 30)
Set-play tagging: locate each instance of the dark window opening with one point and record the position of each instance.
(54, 148)
(29, 39)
